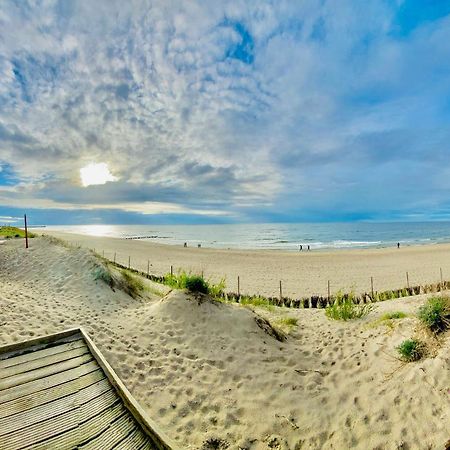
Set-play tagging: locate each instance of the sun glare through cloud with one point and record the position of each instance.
(96, 173)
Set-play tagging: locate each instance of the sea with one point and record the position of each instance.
(278, 236)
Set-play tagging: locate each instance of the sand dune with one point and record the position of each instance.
(213, 379)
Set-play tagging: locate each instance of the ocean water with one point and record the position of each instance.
(276, 236)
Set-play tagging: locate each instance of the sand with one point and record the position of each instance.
(213, 379)
(301, 273)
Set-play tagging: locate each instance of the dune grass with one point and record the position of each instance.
(345, 308)
(14, 232)
(393, 315)
(435, 314)
(259, 302)
(194, 283)
(132, 284)
(410, 350)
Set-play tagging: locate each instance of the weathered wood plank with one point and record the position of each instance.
(84, 432)
(134, 440)
(43, 372)
(48, 395)
(48, 382)
(52, 409)
(40, 353)
(51, 427)
(28, 366)
(116, 432)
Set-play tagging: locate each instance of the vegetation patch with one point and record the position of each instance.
(411, 350)
(194, 283)
(132, 284)
(345, 308)
(103, 274)
(393, 315)
(14, 232)
(260, 302)
(435, 314)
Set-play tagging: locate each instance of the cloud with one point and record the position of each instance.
(247, 110)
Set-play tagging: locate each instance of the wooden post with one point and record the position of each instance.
(407, 280)
(148, 267)
(26, 230)
(442, 280)
(329, 291)
(239, 287)
(129, 261)
(371, 285)
(281, 293)
(171, 271)
(202, 273)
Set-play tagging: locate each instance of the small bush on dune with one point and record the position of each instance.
(345, 308)
(194, 283)
(289, 321)
(435, 314)
(410, 350)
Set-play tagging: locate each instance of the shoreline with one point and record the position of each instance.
(260, 271)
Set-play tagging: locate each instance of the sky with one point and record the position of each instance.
(216, 112)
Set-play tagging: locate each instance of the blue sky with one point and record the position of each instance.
(239, 111)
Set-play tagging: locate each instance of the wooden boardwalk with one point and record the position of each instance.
(58, 392)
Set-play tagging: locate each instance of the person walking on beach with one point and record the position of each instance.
(300, 248)
(398, 244)
(308, 248)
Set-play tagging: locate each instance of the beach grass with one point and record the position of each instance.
(345, 308)
(132, 284)
(435, 314)
(410, 350)
(14, 232)
(259, 302)
(194, 283)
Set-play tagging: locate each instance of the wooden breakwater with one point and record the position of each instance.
(314, 301)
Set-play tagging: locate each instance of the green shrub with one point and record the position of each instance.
(196, 283)
(345, 308)
(435, 314)
(410, 350)
(14, 232)
(288, 321)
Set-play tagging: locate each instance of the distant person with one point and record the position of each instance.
(309, 248)
(199, 245)
(185, 244)
(398, 244)
(300, 248)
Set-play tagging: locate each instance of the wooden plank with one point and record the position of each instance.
(133, 441)
(52, 409)
(48, 395)
(115, 433)
(43, 372)
(157, 436)
(48, 382)
(37, 363)
(8, 351)
(36, 354)
(52, 427)
(84, 432)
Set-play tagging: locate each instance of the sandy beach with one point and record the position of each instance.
(213, 379)
(302, 274)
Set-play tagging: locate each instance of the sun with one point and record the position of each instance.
(96, 173)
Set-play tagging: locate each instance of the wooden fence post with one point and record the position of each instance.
(281, 293)
(129, 261)
(442, 280)
(148, 267)
(171, 271)
(26, 230)
(329, 291)
(239, 287)
(371, 286)
(407, 280)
